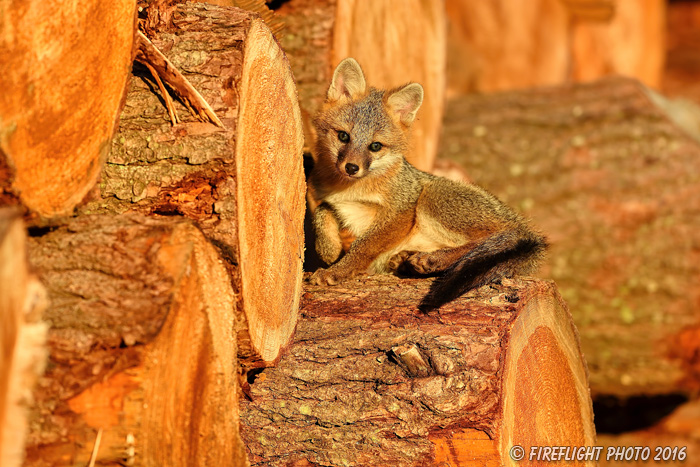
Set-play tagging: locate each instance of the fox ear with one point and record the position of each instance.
(405, 101)
(348, 81)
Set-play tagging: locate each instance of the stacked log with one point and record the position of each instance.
(612, 181)
(393, 45)
(61, 96)
(22, 337)
(180, 271)
(142, 354)
(184, 263)
(242, 184)
(371, 380)
(508, 44)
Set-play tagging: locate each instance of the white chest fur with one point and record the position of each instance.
(357, 217)
(355, 213)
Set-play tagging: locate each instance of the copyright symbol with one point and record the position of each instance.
(517, 453)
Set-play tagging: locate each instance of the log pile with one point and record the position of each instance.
(169, 242)
(182, 267)
(371, 380)
(242, 184)
(612, 181)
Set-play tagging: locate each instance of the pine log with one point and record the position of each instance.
(372, 381)
(393, 44)
(142, 358)
(22, 337)
(243, 185)
(615, 185)
(510, 44)
(65, 66)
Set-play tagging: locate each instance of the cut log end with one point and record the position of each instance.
(270, 216)
(22, 337)
(61, 96)
(157, 373)
(546, 400)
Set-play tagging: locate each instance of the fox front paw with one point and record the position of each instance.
(326, 277)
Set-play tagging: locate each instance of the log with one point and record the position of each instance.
(22, 337)
(613, 182)
(509, 44)
(243, 185)
(142, 358)
(632, 43)
(65, 67)
(675, 438)
(370, 380)
(393, 45)
(505, 44)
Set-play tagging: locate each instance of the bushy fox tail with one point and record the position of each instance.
(500, 255)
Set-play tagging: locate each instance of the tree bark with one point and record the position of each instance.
(142, 353)
(370, 380)
(243, 185)
(22, 337)
(65, 67)
(613, 183)
(393, 45)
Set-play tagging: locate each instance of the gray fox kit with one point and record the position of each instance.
(403, 219)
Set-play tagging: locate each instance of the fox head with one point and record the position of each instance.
(362, 131)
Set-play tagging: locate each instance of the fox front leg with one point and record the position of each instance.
(328, 242)
(379, 238)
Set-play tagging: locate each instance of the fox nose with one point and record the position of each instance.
(351, 168)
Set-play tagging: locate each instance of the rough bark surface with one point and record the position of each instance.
(242, 184)
(393, 45)
(65, 67)
(370, 380)
(141, 350)
(22, 337)
(615, 186)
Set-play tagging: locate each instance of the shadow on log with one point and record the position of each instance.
(370, 380)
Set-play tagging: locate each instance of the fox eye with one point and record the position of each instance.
(343, 137)
(376, 146)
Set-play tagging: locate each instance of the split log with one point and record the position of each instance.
(22, 337)
(142, 358)
(613, 182)
(393, 44)
(243, 184)
(509, 44)
(65, 67)
(370, 380)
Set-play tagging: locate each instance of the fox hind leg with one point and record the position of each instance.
(426, 263)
